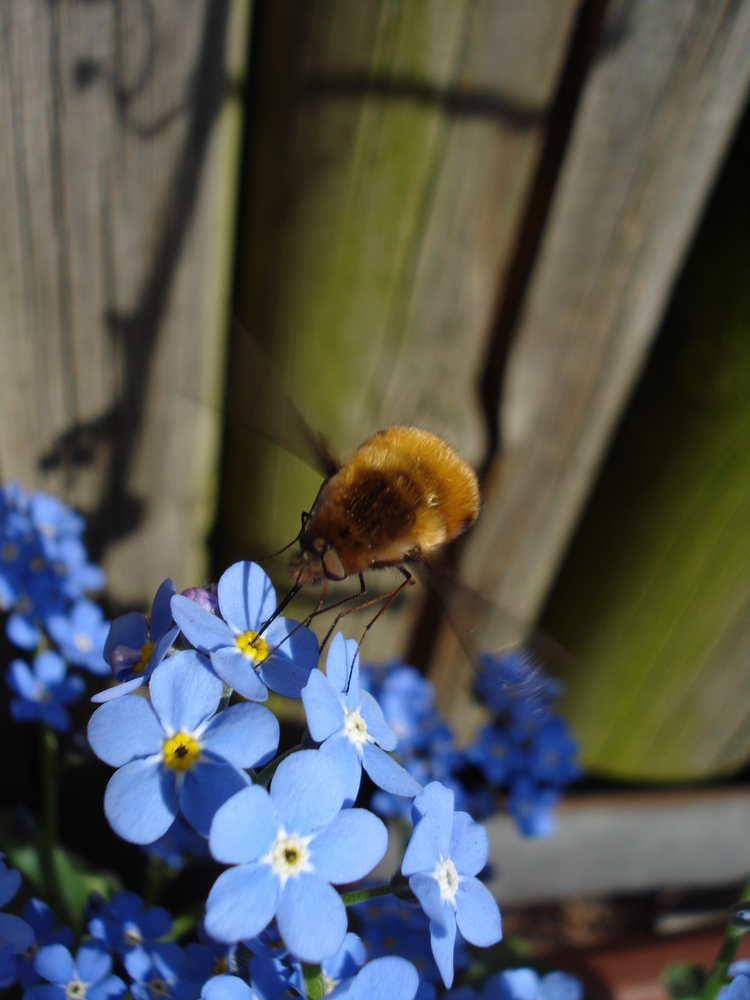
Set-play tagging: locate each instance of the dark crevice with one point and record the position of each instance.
(514, 282)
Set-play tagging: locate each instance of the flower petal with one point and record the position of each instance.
(111, 694)
(349, 847)
(344, 757)
(388, 978)
(140, 801)
(442, 943)
(241, 902)
(15, 932)
(287, 669)
(237, 670)
(246, 735)
(205, 631)
(10, 883)
(50, 667)
(377, 727)
(227, 988)
(246, 596)
(423, 853)
(311, 917)
(55, 963)
(93, 963)
(425, 887)
(324, 707)
(185, 691)
(339, 661)
(129, 630)
(207, 787)
(469, 845)
(387, 774)
(306, 793)
(161, 609)
(437, 801)
(244, 828)
(477, 913)
(124, 729)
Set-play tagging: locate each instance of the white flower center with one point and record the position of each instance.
(75, 990)
(447, 879)
(83, 642)
(132, 937)
(356, 727)
(289, 856)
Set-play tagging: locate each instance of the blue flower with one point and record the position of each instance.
(167, 972)
(81, 635)
(288, 847)
(496, 754)
(738, 989)
(124, 925)
(552, 754)
(446, 851)
(526, 984)
(38, 598)
(174, 752)
(350, 727)
(88, 976)
(43, 690)
(390, 978)
(179, 846)
(41, 919)
(407, 700)
(16, 935)
(281, 659)
(532, 805)
(135, 648)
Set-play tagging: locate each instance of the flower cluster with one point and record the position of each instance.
(528, 748)
(197, 775)
(523, 984)
(44, 574)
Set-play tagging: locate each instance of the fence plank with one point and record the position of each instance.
(392, 152)
(120, 127)
(656, 114)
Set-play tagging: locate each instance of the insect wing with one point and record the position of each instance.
(258, 401)
(483, 627)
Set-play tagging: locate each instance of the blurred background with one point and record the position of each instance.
(521, 224)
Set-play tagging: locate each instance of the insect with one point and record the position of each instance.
(395, 502)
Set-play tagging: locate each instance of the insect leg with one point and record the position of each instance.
(388, 598)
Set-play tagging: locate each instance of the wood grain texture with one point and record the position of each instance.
(656, 115)
(392, 150)
(120, 127)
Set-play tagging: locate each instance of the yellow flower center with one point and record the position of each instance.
(181, 751)
(147, 650)
(254, 648)
(220, 966)
(289, 856)
(158, 988)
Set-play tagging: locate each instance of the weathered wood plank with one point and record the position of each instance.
(658, 109)
(392, 152)
(120, 128)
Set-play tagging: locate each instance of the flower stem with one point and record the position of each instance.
(50, 806)
(360, 895)
(735, 931)
(315, 987)
(263, 777)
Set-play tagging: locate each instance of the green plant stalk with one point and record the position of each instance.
(717, 977)
(315, 986)
(360, 895)
(50, 812)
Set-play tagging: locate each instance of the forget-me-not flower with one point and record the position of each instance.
(135, 647)
(179, 846)
(288, 847)
(88, 976)
(445, 854)
(124, 924)
(174, 752)
(280, 659)
(81, 634)
(41, 919)
(16, 935)
(350, 727)
(166, 973)
(390, 978)
(43, 690)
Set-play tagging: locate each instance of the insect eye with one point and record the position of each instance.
(332, 564)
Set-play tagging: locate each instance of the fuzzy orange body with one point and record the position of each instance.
(400, 496)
